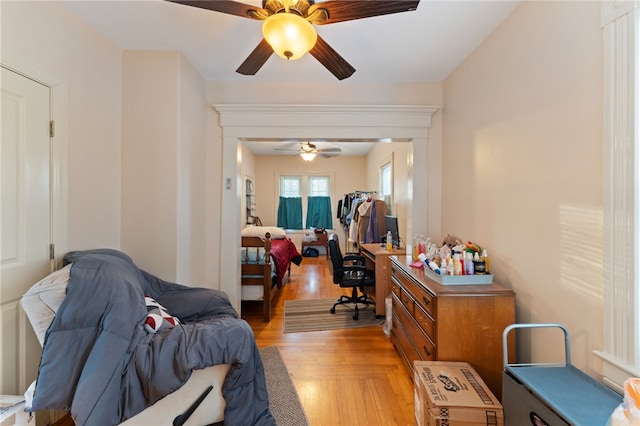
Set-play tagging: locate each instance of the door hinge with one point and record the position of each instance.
(52, 251)
(52, 128)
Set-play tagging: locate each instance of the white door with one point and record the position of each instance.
(25, 216)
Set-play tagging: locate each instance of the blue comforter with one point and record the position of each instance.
(100, 363)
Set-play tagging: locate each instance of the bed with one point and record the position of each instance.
(121, 345)
(266, 257)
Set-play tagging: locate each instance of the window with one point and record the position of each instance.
(305, 196)
(621, 166)
(290, 186)
(319, 186)
(319, 203)
(386, 184)
(290, 205)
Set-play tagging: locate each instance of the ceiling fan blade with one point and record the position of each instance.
(256, 59)
(226, 6)
(331, 60)
(330, 150)
(348, 10)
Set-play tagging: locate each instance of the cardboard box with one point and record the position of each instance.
(453, 394)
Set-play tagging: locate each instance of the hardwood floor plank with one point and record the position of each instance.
(344, 377)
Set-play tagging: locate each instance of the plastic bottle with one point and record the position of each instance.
(468, 264)
(443, 266)
(389, 241)
(434, 267)
(416, 247)
(478, 265)
(449, 266)
(487, 261)
(457, 264)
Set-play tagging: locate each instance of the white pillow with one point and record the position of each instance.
(43, 299)
(53, 288)
(259, 231)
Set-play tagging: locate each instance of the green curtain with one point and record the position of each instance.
(290, 213)
(319, 213)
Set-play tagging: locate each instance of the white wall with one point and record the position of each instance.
(522, 167)
(192, 177)
(46, 37)
(164, 169)
(149, 160)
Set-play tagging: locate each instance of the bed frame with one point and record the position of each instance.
(259, 273)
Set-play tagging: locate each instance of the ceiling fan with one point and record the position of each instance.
(308, 151)
(280, 16)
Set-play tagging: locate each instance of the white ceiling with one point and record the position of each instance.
(420, 46)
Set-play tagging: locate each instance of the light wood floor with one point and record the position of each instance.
(343, 377)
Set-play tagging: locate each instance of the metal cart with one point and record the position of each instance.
(550, 394)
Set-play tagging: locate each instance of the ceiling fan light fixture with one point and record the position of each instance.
(308, 156)
(289, 35)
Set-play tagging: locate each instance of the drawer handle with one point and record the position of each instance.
(426, 351)
(406, 301)
(426, 301)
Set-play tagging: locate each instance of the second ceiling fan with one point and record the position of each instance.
(287, 22)
(308, 151)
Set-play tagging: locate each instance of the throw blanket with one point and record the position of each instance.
(283, 252)
(99, 362)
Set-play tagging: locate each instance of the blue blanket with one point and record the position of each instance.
(100, 363)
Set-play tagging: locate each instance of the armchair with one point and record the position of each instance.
(350, 272)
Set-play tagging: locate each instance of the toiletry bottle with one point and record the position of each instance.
(434, 267)
(478, 264)
(449, 266)
(443, 266)
(487, 261)
(416, 247)
(389, 241)
(457, 265)
(468, 263)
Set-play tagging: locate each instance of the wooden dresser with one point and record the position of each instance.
(450, 322)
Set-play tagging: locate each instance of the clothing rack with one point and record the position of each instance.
(345, 219)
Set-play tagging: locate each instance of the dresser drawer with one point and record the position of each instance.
(403, 345)
(400, 310)
(425, 322)
(403, 296)
(421, 296)
(395, 289)
(423, 346)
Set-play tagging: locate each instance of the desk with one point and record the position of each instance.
(377, 258)
(322, 240)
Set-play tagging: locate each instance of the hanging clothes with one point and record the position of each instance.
(364, 212)
(353, 221)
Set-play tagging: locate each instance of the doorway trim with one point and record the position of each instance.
(241, 121)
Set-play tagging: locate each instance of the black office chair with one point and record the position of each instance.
(350, 271)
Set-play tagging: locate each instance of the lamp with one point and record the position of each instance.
(308, 156)
(289, 35)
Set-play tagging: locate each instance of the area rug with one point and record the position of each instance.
(314, 315)
(284, 402)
